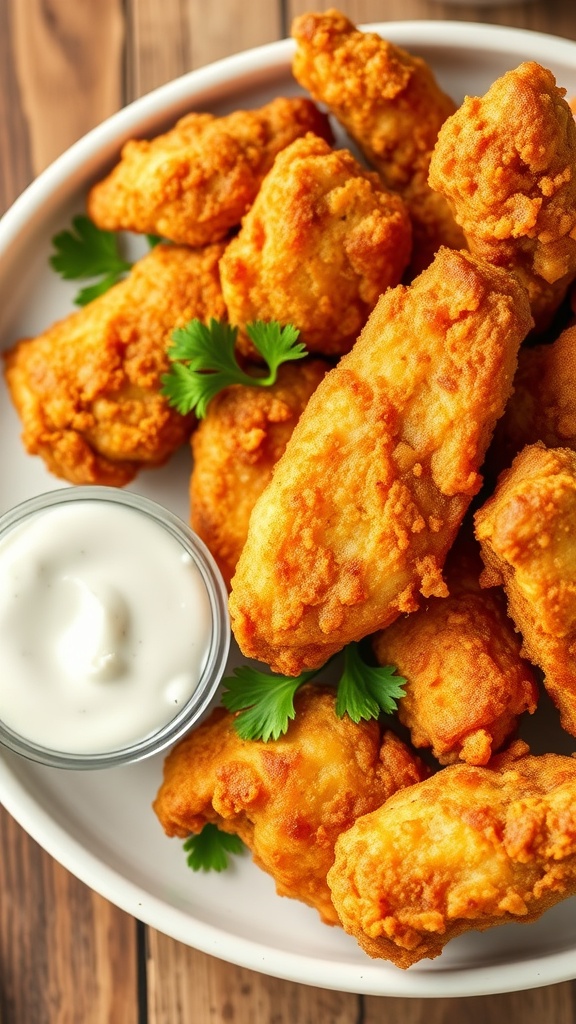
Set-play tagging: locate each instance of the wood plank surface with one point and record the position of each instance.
(66, 955)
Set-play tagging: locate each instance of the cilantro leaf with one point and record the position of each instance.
(275, 344)
(364, 691)
(208, 851)
(204, 361)
(265, 701)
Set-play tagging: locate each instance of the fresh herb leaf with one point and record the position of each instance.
(153, 240)
(204, 360)
(364, 691)
(265, 701)
(86, 251)
(208, 851)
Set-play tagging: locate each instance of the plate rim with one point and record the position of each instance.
(375, 977)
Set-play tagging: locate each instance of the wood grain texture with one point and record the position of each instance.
(67, 956)
(68, 59)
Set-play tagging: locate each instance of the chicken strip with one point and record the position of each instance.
(321, 243)
(527, 530)
(469, 848)
(466, 681)
(391, 105)
(235, 449)
(543, 406)
(287, 800)
(195, 183)
(375, 480)
(88, 389)
(505, 162)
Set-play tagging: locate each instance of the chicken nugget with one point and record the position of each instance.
(527, 531)
(235, 449)
(288, 800)
(505, 162)
(195, 183)
(391, 105)
(469, 848)
(321, 243)
(466, 682)
(88, 389)
(367, 499)
(543, 406)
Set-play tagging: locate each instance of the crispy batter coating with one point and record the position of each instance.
(390, 103)
(195, 183)
(287, 800)
(505, 162)
(543, 406)
(235, 449)
(469, 848)
(87, 389)
(527, 530)
(321, 243)
(375, 480)
(466, 681)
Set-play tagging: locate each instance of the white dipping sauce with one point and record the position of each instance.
(105, 627)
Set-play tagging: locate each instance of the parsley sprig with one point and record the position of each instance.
(264, 702)
(209, 850)
(88, 252)
(204, 360)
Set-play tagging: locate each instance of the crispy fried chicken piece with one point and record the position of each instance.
(505, 162)
(375, 480)
(321, 243)
(466, 681)
(527, 530)
(469, 848)
(287, 800)
(235, 449)
(543, 406)
(391, 105)
(195, 183)
(87, 389)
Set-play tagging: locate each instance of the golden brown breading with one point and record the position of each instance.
(196, 182)
(505, 162)
(235, 449)
(287, 800)
(87, 389)
(391, 105)
(527, 530)
(466, 681)
(367, 498)
(469, 848)
(321, 243)
(543, 406)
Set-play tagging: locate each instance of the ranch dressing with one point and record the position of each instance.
(105, 626)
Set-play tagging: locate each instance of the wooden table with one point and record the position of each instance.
(66, 955)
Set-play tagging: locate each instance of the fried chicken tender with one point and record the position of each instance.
(195, 183)
(469, 848)
(88, 389)
(321, 243)
(235, 449)
(290, 799)
(466, 681)
(505, 162)
(391, 105)
(543, 406)
(527, 530)
(375, 480)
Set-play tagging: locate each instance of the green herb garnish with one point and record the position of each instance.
(265, 701)
(204, 360)
(86, 251)
(209, 850)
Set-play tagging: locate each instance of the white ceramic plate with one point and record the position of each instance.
(99, 824)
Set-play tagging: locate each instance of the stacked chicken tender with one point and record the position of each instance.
(333, 499)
